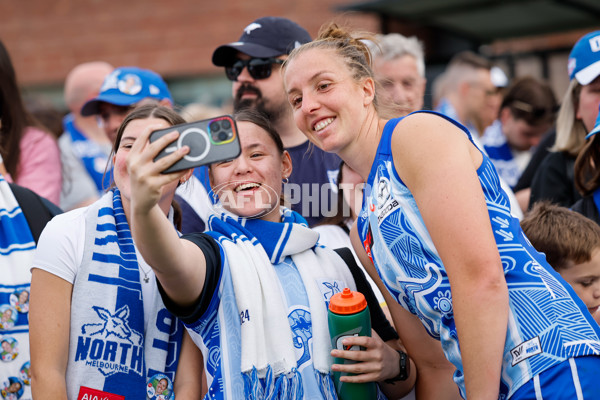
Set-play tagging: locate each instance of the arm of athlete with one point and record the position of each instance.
(438, 164)
(432, 370)
(179, 264)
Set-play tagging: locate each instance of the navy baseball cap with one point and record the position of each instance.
(584, 60)
(266, 37)
(596, 127)
(126, 86)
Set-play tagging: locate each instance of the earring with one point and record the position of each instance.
(182, 181)
(286, 179)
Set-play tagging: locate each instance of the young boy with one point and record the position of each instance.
(571, 243)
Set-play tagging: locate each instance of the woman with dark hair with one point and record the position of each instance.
(31, 155)
(96, 317)
(253, 290)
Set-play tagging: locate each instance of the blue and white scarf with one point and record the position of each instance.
(112, 347)
(254, 246)
(16, 255)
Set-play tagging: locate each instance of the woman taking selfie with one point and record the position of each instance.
(97, 323)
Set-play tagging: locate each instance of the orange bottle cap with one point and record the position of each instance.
(347, 302)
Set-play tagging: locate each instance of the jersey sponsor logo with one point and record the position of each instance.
(385, 202)
(86, 393)
(393, 205)
(110, 345)
(525, 350)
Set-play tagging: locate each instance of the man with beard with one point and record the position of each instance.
(253, 65)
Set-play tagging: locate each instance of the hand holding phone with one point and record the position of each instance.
(210, 140)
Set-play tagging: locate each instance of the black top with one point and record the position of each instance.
(190, 220)
(212, 253)
(554, 180)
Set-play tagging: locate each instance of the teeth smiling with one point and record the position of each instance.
(322, 124)
(245, 186)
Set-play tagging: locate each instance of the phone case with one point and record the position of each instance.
(210, 140)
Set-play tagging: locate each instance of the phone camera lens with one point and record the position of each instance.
(215, 126)
(225, 124)
(223, 136)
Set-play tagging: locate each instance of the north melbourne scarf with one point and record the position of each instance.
(267, 347)
(111, 349)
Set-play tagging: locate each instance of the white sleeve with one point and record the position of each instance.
(60, 247)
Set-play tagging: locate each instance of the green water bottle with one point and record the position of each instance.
(349, 316)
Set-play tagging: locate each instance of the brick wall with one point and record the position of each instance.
(176, 38)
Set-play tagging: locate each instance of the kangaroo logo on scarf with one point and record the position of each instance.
(110, 344)
(329, 288)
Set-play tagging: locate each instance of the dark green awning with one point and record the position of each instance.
(487, 20)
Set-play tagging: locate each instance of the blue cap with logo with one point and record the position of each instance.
(584, 60)
(126, 86)
(266, 37)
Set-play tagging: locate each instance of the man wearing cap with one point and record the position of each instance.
(123, 89)
(84, 146)
(253, 65)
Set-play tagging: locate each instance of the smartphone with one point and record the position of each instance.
(210, 140)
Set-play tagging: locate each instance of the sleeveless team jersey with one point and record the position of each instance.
(547, 322)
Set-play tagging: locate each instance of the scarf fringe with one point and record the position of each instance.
(282, 387)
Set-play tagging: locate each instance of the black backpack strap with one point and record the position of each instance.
(37, 210)
(379, 321)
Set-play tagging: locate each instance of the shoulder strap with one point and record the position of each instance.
(379, 321)
(36, 211)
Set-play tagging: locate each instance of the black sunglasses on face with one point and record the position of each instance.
(258, 68)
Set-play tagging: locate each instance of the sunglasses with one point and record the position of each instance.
(258, 68)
